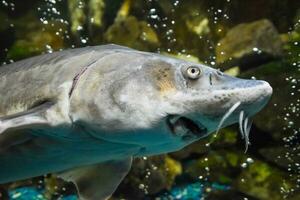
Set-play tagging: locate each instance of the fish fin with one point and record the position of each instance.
(33, 116)
(98, 182)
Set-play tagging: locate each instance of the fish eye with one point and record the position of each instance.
(193, 72)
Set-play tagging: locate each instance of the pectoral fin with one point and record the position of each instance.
(31, 117)
(98, 182)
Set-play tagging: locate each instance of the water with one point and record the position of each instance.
(25, 193)
(202, 31)
(192, 191)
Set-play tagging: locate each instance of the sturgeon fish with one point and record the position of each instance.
(83, 114)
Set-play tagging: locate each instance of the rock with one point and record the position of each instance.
(4, 22)
(124, 10)
(297, 17)
(184, 192)
(96, 11)
(25, 193)
(286, 158)
(248, 45)
(263, 181)
(87, 21)
(6, 35)
(230, 194)
(77, 15)
(3, 193)
(198, 25)
(183, 27)
(36, 43)
(183, 56)
(202, 190)
(166, 6)
(55, 187)
(190, 30)
(294, 196)
(149, 176)
(279, 117)
(51, 186)
(218, 166)
(199, 147)
(226, 137)
(32, 37)
(233, 71)
(133, 33)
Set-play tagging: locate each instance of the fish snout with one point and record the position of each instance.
(243, 99)
(266, 88)
(254, 95)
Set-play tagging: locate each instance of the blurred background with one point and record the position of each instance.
(250, 38)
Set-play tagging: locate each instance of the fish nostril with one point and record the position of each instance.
(210, 78)
(219, 73)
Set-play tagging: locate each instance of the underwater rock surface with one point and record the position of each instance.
(249, 44)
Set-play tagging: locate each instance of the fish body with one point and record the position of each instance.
(84, 111)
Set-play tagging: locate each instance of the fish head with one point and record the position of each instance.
(163, 100)
(195, 100)
(212, 99)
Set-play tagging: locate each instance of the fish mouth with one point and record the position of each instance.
(185, 128)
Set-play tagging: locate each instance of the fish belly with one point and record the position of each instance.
(42, 155)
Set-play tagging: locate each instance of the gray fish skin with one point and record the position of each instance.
(120, 106)
(43, 77)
